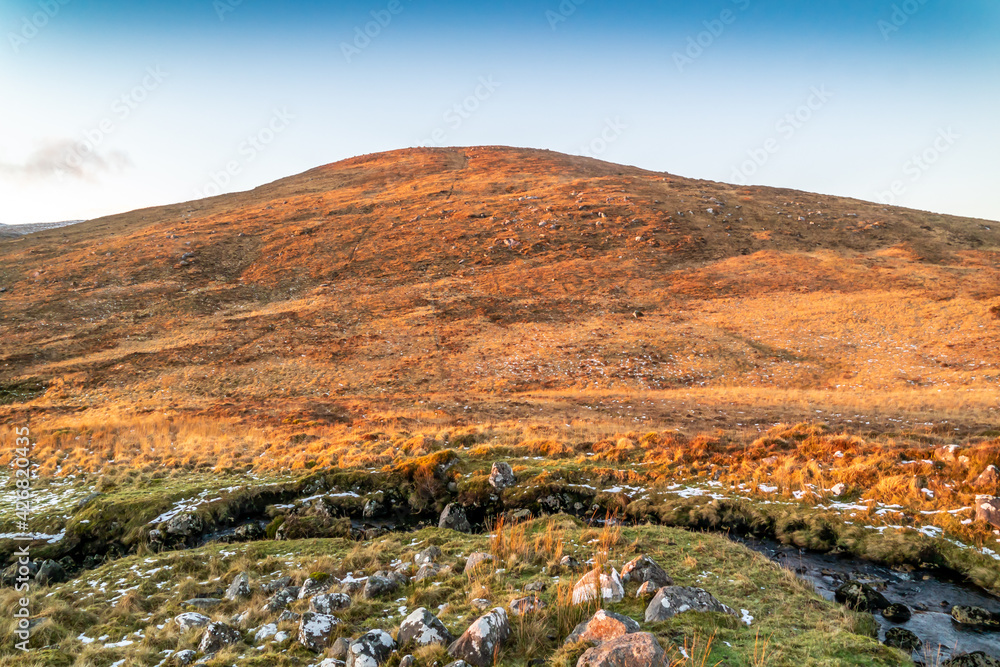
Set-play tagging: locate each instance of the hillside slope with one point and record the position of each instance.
(501, 284)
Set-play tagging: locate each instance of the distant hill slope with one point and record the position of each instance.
(13, 231)
(490, 272)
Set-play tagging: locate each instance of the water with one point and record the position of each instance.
(928, 595)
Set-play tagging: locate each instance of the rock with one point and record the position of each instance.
(902, 639)
(289, 615)
(370, 649)
(603, 626)
(502, 476)
(975, 617)
(896, 613)
(407, 661)
(281, 636)
(273, 587)
(988, 479)
(240, 588)
(218, 636)
(569, 562)
(476, 559)
(265, 632)
(639, 649)
(948, 453)
(281, 599)
(428, 571)
(314, 586)
(458, 663)
(672, 600)
(422, 628)
(988, 510)
(595, 583)
(481, 604)
(191, 619)
(339, 649)
(249, 532)
(428, 555)
(327, 603)
(371, 509)
(185, 525)
(526, 605)
(483, 639)
(647, 590)
(860, 597)
(535, 586)
(50, 572)
(644, 569)
(976, 659)
(185, 657)
(454, 517)
(203, 603)
(351, 585)
(315, 630)
(838, 489)
(378, 586)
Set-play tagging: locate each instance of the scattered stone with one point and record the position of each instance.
(185, 657)
(240, 588)
(273, 587)
(481, 604)
(327, 603)
(569, 562)
(202, 603)
(350, 585)
(191, 619)
(378, 586)
(976, 659)
(281, 636)
(483, 639)
(595, 583)
(526, 605)
(289, 615)
(476, 559)
(454, 517)
(603, 626)
(647, 590)
(370, 649)
(948, 453)
(428, 555)
(639, 649)
(988, 510)
(315, 630)
(644, 569)
(50, 572)
(314, 586)
(535, 586)
(458, 663)
(339, 649)
(838, 489)
(989, 479)
(407, 661)
(218, 636)
(975, 617)
(672, 600)
(265, 632)
(428, 571)
(896, 613)
(860, 597)
(281, 599)
(902, 639)
(422, 628)
(502, 476)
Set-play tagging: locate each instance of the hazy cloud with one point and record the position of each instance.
(65, 157)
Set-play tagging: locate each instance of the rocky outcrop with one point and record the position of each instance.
(422, 628)
(483, 640)
(645, 570)
(596, 584)
(860, 597)
(603, 626)
(638, 649)
(672, 600)
(454, 517)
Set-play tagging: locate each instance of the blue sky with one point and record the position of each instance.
(111, 106)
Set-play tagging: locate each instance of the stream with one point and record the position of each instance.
(929, 596)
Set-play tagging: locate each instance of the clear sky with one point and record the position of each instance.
(111, 105)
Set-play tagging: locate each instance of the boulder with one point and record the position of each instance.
(281, 599)
(203, 603)
(603, 626)
(379, 585)
(185, 657)
(370, 649)
(428, 571)
(977, 659)
(569, 562)
(672, 600)
(289, 615)
(838, 489)
(314, 586)
(50, 572)
(249, 532)
(481, 604)
(339, 649)
(644, 569)
(265, 632)
(902, 639)
(502, 476)
(458, 663)
(595, 583)
(647, 590)
(240, 588)
(948, 453)
(988, 479)
(185, 525)
(975, 617)
(988, 510)
(535, 586)
(278, 584)
(315, 630)
(407, 661)
(218, 636)
(476, 559)
(428, 555)
(526, 605)
(327, 603)
(483, 640)
(860, 597)
(422, 628)
(639, 649)
(454, 517)
(191, 619)
(896, 613)
(351, 585)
